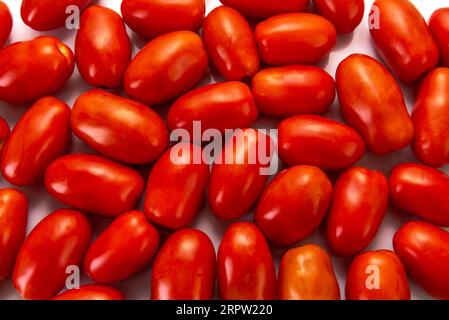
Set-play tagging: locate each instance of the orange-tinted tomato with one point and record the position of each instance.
(176, 187)
(358, 207)
(41, 135)
(306, 273)
(421, 191)
(402, 38)
(372, 103)
(4, 133)
(292, 90)
(93, 184)
(34, 69)
(377, 275)
(345, 15)
(59, 241)
(184, 268)
(293, 205)
(166, 67)
(295, 38)
(262, 9)
(245, 267)
(91, 292)
(431, 119)
(230, 43)
(423, 249)
(126, 246)
(439, 27)
(102, 48)
(122, 129)
(5, 23)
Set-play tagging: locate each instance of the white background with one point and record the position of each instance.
(138, 286)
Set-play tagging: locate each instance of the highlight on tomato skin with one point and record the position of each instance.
(91, 292)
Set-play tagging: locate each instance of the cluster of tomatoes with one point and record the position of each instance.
(126, 133)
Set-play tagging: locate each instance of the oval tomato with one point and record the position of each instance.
(91, 292)
(5, 23)
(262, 9)
(345, 15)
(4, 133)
(439, 27)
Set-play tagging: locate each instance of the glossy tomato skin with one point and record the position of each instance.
(33, 69)
(374, 104)
(41, 135)
(102, 48)
(291, 38)
(403, 39)
(421, 191)
(306, 273)
(293, 205)
(259, 10)
(439, 27)
(5, 23)
(91, 292)
(392, 285)
(226, 105)
(236, 181)
(13, 224)
(166, 67)
(58, 241)
(340, 146)
(422, 248)
(358, 207)
(119, 128)
(230, 43)
(345, 15)
(176, 187)
(431, 119)
(245, 266)
(5, 132)
(152, 18)
(93, 184)
(292, 90)
(184, 268)
(126, 246)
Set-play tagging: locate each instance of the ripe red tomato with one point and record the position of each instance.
(58, 241)
(262, 9)
(93, 184)
(41, 135)
(377, 275)
(102, 48)
(119, 128)
(345, 15)
(245, 267)
(4, 133)
(306, 273)
(91, 292)
(184, 268)
(439, 27)
(358, 207)
(5, 23)
(127, 245)
(372, 103)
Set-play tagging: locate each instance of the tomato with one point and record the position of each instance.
(152, 18)
(57, 242)
(237, 178)
(293, 205)
(93, 184)
(41, 135)
(184, 268)
(439, 27)
(13, 224)
(166, 67)
(34, 69)
(345, 15)
(91, 292)
(5, 23)
(262, 9)
(431, 119)
(119, 128)
(372, 103)
(126, 246)
(377, 275)
(306, 273)
(230, 43)
(226, 105)
(421, 191)
(423, 249)
(292, 90)
(44, 15)
(176, 187)
(4, 133)
(102, 48)
(291, 38)
(340, 146)
(403, 39)
(245, 267)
